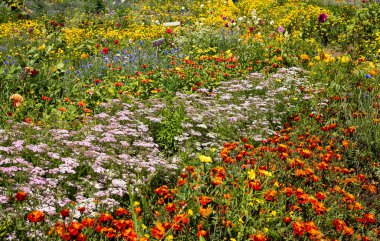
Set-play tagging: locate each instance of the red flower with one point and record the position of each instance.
(169, 30)
(171, 207)
(21, 196)
(45, 98)
(65, 213)
(116, 41)
(104, 51)
(75, 228)
(81, 237)
(287, 220)
(320, 195)
(204, 200)
(121, 212)
(81, 209)
(104, 217)
(28, 120)
(36, 216)
(88, 222)
(298, 228)
(33, 73)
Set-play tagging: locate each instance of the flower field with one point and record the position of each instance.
(189, 120)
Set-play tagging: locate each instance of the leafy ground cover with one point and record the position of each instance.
(251, 120)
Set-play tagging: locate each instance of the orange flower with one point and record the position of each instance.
(205, 211)
(81, 237)
(204, 200)
(298, 228)
(75, 228)
(257, 237)
(345, 143)
(158, 231)
(88, 222)
(370, 188)
(348, 231)
(179, 221)
(81, 104)
(202, 233)
(369, 218)
(270, 195)
(339, 224)
(303, 198)
(306, 153)
(319, 208)
(216, 181)
(130, 235)
(17, 100)
(36, 216)
(62, 109)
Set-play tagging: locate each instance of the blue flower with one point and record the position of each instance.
(368, 76)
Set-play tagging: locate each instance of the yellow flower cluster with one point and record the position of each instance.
(16, 29)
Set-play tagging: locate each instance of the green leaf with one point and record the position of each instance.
(201, 238)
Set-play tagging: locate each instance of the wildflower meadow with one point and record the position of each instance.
(148, 120)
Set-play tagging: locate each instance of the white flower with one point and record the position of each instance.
(202, 6)
(271, 22)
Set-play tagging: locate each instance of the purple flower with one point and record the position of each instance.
(322, 17)
(280, 29)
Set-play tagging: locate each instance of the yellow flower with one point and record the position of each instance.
(190, 212)
(232, 239)
(143, 226)
(136, 204)
(274, 213)
(251, 174)
(266, 230)
(266, 173)
(83, 56)
(169, 237)
(205, 159)
(41, 47)
(344, 59)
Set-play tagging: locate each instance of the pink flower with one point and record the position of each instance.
(322, 17)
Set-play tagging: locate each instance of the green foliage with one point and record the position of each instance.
(166, 131)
